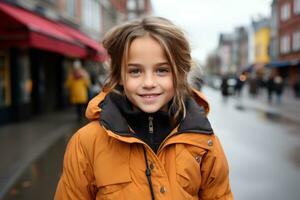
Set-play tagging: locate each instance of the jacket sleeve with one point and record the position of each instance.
(215, 174)
(77, 180)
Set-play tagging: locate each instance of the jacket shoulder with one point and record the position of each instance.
(90, 135)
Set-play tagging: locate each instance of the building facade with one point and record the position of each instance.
(240, 49)
(225, 53)
(262, 41)
(274, 32)
(289, 38)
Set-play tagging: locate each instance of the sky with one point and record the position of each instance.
(204, 20)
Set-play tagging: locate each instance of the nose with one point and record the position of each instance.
(149, 81)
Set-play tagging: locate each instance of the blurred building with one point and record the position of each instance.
(225, 53)
(40, 39)
(213, 64)
(240, 49)
(289, 38)
(231, 55)
(274, 32)
(267, 46)
(262, 29)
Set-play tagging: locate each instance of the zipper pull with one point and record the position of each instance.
(150, 119)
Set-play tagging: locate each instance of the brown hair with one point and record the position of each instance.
(173, 41)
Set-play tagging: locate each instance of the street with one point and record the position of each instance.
(262, 150)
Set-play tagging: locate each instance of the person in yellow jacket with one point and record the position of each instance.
(77, 83)
(148, 136)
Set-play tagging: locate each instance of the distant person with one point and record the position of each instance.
(278, 88)
(149, 136)
(224, 87)
(297, 88)
(77, 83)
(253, 85)
(270, 88)
(240, 80)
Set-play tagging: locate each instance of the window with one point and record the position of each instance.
(92, 15)
(297, 6)
(131, 5)
(4, 80)
(285, 12)
(285, 44)
(71, 7)
(141, 5)
(296, 41)
(25, 79)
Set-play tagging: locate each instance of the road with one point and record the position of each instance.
(263, 149)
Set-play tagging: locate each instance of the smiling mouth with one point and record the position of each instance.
(148, 95)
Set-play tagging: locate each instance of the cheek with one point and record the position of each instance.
(168, 84)
(130, 85)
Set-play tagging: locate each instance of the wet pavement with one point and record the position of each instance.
(262, 147)
(39, 180)
(21, 144)
(261, 144)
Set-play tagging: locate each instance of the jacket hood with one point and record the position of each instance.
(93, 109)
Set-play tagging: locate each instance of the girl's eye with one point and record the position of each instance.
(134, 72)
(163, 71)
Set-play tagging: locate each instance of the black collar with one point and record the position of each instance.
(116, 109)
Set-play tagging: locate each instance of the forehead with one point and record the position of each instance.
(146, 48)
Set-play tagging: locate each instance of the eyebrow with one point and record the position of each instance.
(140, 65)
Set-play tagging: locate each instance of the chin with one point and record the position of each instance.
(150, 110)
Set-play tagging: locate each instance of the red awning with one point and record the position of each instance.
(97, 53)
(22, 28)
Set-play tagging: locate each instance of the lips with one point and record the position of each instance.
(150, 98)
(149, 95)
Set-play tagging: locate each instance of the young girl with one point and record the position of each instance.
(149, 137)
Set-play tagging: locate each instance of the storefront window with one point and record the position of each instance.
(5, 98)
(25, 78)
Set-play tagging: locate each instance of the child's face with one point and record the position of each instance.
(148, 77)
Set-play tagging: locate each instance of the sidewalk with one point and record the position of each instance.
(22, 143)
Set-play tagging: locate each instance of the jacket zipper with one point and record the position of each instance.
(150, 120)
(148, 171)
(151, 130)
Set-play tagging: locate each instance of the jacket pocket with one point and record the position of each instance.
(188, 172)
(113, 189)
(112, 175)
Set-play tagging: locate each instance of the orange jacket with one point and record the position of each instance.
(101, 164)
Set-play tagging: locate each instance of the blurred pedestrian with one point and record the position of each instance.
(297, 88)
(270, 88)
(253, 85)
(149, 137)
(224, 88)
(240, 80)
(278, 88)
(77, 83)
